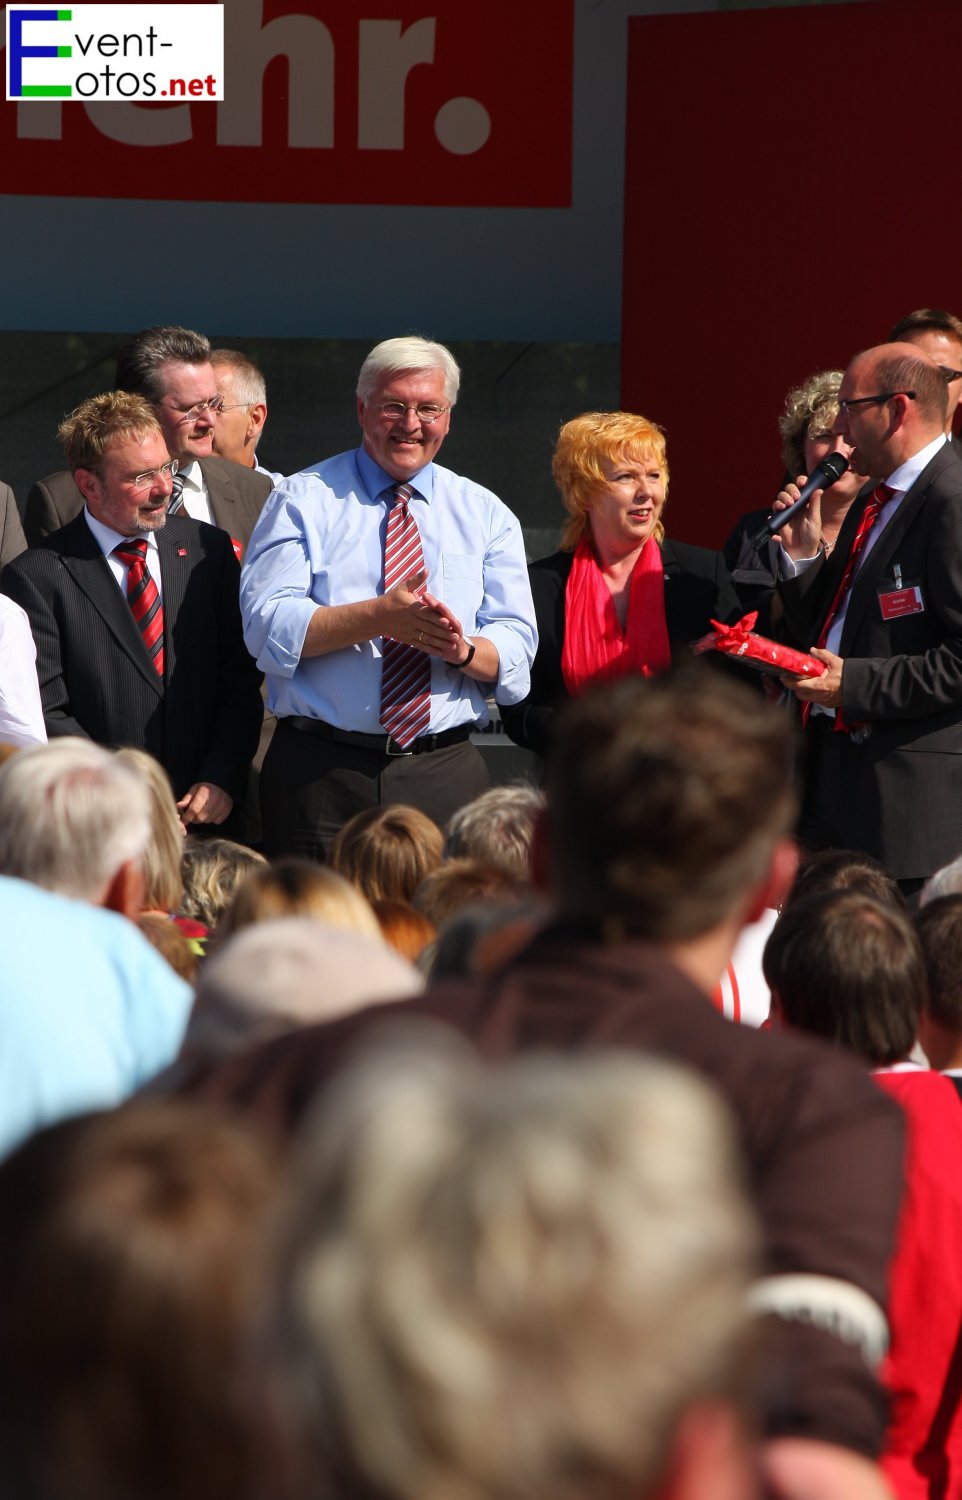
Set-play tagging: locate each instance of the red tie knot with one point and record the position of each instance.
(134, 549)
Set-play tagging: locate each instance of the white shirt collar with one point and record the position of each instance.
(903, 478)
(107, 539)
(192, 476)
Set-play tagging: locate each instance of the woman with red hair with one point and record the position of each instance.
(617, 597)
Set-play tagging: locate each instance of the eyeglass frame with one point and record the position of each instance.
(236, 405)
(213, 404)
(144, 480)
(415, 406)
(847, 405)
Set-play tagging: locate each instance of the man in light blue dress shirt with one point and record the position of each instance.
(316, 613)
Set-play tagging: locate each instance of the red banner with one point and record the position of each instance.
(785, 204)
(383, 102)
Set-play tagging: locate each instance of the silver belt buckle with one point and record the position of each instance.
(399, 752)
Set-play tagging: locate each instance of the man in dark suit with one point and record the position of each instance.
(170, 367)
(884, 614)
(164, 668)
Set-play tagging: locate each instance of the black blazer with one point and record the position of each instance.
(236, 496)
(96, 679)
(697, 591)
(899, 793)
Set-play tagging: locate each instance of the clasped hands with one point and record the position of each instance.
(417, 618)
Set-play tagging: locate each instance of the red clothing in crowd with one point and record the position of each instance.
(922, 1459)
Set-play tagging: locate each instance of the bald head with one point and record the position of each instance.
(887, 432)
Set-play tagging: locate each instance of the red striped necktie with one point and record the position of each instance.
(143, 598)
(880, 496)
(405, 671)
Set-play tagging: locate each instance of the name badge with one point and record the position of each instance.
(895, 603)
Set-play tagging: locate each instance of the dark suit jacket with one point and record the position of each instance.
(96, 678)
(12, 539)
(697, 590)
(236, 498)
(900, 790)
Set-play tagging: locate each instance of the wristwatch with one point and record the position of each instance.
(469, 658)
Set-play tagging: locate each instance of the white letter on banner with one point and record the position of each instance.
(249, 47)
(386, 57)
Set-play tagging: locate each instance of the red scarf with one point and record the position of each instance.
(596, 649)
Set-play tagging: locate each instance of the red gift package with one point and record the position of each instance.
(740, 642)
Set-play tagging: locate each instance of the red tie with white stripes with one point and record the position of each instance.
(144, 599)
(405, 671)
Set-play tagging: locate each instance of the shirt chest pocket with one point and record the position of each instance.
(463, 586)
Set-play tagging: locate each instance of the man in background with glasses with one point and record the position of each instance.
(171, 368)
(939, 335)
(383, 597)
(135, 615)
(883, 613)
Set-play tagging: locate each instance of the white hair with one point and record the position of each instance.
(411, 354)
(71, 814)
(510, 1283)
(250, 387)
(945, 882)
(497, 827)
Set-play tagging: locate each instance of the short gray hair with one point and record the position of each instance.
(945, 882)
(70, 816)
(411, 354)
(140, 360)
(510, 1282)
(497, 827)
(250, 387)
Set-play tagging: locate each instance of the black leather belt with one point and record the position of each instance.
(382, 744)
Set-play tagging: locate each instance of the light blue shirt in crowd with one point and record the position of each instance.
(320, 541)
(88, 1009)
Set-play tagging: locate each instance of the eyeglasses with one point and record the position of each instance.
(426, 414)
(234, 406)
(848, 406)
(191, 413)
(949, 374)
(149, 477)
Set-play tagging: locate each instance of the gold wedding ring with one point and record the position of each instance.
(420, 636)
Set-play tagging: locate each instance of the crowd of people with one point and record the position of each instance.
(370, 1129)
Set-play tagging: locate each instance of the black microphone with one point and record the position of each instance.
(823, 475)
